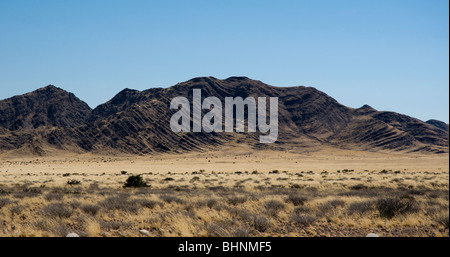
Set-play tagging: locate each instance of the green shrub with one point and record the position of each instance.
(135, 181)
(73, 182)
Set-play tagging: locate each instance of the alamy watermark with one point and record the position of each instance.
(213, 120)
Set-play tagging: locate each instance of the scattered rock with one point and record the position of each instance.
(144, 232)
(72, 235)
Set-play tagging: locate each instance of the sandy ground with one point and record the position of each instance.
(229, 161)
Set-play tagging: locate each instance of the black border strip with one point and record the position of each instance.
(278, 246)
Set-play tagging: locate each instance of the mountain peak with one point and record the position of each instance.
(237, 78)
(124, 95)
(50, 88)
(367, 107)
(202, 79)
(213, 79)
(46, 106)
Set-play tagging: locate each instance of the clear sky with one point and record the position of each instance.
(390, 54)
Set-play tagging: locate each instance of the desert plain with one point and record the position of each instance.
(234, 192)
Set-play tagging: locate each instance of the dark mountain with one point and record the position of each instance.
(29, 122)
(137, 122)
(439, 124)
(48, 106)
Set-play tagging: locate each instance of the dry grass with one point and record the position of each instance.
(36, 200)
(262, 211)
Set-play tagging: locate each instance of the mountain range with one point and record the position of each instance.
(50, 120)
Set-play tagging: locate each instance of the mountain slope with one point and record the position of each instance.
(439, 124)
(138, 122)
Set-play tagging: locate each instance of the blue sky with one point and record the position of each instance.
(392, 55)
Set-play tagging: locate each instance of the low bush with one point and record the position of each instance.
(296, 200)
(4, 202)
(235, 200)
(150, 204)
(273, 207)
(120, 203)
(171, 199)
(59, 210)
(261, 223)
(330, 206)
(391, 207)
(54, 196)
(91, 209)
(361, 207)
(73, 182)
(303, 219)
(135, 181)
